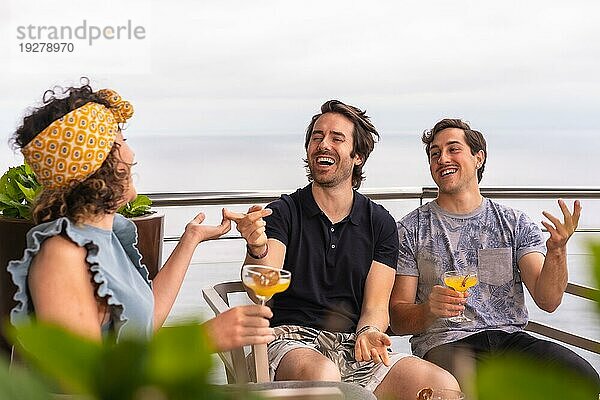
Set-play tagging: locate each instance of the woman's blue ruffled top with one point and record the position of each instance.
(115, 263)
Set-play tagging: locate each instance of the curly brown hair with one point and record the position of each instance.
(103, 191)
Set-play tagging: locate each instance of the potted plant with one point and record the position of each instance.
(150, 227)
(18, 191)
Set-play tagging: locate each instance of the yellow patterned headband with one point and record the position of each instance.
(74, 146)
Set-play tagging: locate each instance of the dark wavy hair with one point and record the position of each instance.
(474, 139)
(364, 136)
(102, 191)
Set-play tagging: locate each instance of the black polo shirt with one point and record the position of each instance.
(329, 262)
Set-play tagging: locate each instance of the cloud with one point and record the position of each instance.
(265, 66)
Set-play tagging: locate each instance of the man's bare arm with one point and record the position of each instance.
(372, 342)
(546, 277)
(408, 318)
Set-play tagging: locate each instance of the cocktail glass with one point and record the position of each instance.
(460, 281)
(440, 394)
(265, 281)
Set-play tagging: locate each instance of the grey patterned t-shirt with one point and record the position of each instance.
(493, 238)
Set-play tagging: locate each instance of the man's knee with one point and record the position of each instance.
(438, 376)
(307, 365)
(412, 374)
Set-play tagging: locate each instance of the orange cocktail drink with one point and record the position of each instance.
(461, 283)
(265, 281)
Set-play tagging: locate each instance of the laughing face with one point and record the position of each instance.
(329, 151)
(452, 166)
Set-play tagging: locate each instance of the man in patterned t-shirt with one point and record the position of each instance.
(462, 230)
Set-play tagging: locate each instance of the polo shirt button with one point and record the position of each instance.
(332, 229)
(333, 246)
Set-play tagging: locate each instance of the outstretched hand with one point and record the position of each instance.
(202, 233)
(251, 225)
(372, 345)
(560, 232)
(240, 326)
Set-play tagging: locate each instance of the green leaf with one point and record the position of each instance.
(4, 199)
(69, 359)
(518, 378)
(13, 191)
(11, 213)
(136, 208)
(180, 361)
(28, 170)
(142, 200)
(18, 190)
(3, 182)
(28, 193)
(123, 370)
(20, 384)
(595, 250)
(180, 353)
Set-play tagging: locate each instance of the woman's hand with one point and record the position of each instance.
(240, 326)
(201, 233)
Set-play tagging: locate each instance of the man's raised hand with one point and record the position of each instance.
(251, 225)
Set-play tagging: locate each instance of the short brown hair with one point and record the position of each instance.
(474, 139)
(364, 135)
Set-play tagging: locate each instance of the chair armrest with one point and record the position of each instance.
(217, 296)
(235, 360)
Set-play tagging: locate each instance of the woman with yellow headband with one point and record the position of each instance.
(81, 268)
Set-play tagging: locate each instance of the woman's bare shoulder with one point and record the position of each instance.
(58, 252)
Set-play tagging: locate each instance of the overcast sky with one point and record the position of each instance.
(266, 66)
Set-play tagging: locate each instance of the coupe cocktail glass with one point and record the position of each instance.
(460, 281)
(265, 281)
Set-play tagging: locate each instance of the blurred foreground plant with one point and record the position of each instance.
(174, 365)
(515, 378)
(595, 250)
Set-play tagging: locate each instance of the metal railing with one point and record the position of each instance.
(178, 199)
(182, 199)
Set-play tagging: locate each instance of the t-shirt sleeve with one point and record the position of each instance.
(407, 260)
(529, 237)
(279, 222)
(386, 247)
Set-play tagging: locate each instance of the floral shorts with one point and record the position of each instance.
(336, 346)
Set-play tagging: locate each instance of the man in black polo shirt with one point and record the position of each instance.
(341, 249)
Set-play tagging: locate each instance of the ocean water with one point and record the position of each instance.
(254, 162)
(274, 162)
(204, 162)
